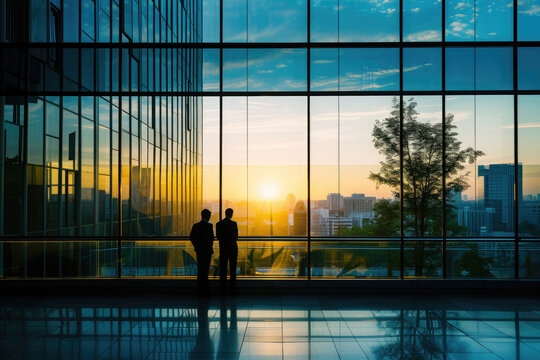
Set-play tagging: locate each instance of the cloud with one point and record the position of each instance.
(265, 71)
(323, 61)
(532, 10)
(280, 66)
(528, 125)
(415, 10)
(427, 35)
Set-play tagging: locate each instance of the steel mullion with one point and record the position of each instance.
(268, 93)
(401, 143)
(308, 75)
(516, 148)
(220, 110)
(270, 45)
(443, 87)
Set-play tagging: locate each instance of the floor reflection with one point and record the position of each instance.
(271, 327)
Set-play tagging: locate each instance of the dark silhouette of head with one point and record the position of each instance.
(228, 213)
(205, 214)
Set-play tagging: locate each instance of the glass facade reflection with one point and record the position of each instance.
(88, 148)
(363, 138)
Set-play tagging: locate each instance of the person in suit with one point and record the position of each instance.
(227, 234)
(202, 238)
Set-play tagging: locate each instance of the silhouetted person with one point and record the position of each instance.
(227, 234)
(202, 238)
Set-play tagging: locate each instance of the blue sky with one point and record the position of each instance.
(370, 20)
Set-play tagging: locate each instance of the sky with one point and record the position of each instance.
(369, 20)
(265, 141)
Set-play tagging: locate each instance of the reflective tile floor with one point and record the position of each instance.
(270, 327)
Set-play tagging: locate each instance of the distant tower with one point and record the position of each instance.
(291, 201)
(498, 191)
(299, 219)
(334, 203)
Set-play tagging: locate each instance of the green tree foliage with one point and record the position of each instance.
(422, 146)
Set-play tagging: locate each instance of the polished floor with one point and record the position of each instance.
(270, 327)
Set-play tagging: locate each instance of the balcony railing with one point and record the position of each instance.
(264, 258)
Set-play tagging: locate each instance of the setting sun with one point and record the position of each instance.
(269, 191)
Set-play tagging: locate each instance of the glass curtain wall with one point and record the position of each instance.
(410, 131)
(353, 139)
(99, 138)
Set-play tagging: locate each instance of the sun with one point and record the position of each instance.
(269, 191)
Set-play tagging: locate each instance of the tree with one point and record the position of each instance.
(472, 264)
(422, 147)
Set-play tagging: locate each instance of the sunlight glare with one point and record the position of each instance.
(269, 191)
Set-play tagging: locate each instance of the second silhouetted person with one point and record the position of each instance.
(227, 234)
(202, 238)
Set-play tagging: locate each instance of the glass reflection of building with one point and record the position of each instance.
(96, 139)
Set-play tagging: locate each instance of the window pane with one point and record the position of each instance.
(324, 162)
(479, 68)
(71, 20)
(53, 120)
(494, 69)
(87, 17)
(494, 20)
(369, 69)
(529, 260)
(529, 160)
(355, 259)
(234, 161)
(277, 20)
(367, 144)
(481, 175)
(38, 20)
(528, 70)
(35, 133)
(422, 69)
(422, 20)
(324, 21)
(234, 69)
(479, 21)
(235, 21)
(211, 70)
(277, 165)
(70, 140)
(423, 258)
(277, 69)
(211, 26)
(480, 259)
(422, 166)
(210, 180)
(324, 70)
(362, 21)
(529, 20)
(459, 73)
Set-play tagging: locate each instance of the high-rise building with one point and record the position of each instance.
(299, 219)
(334, 203)
(358, 204)
(497, 184)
